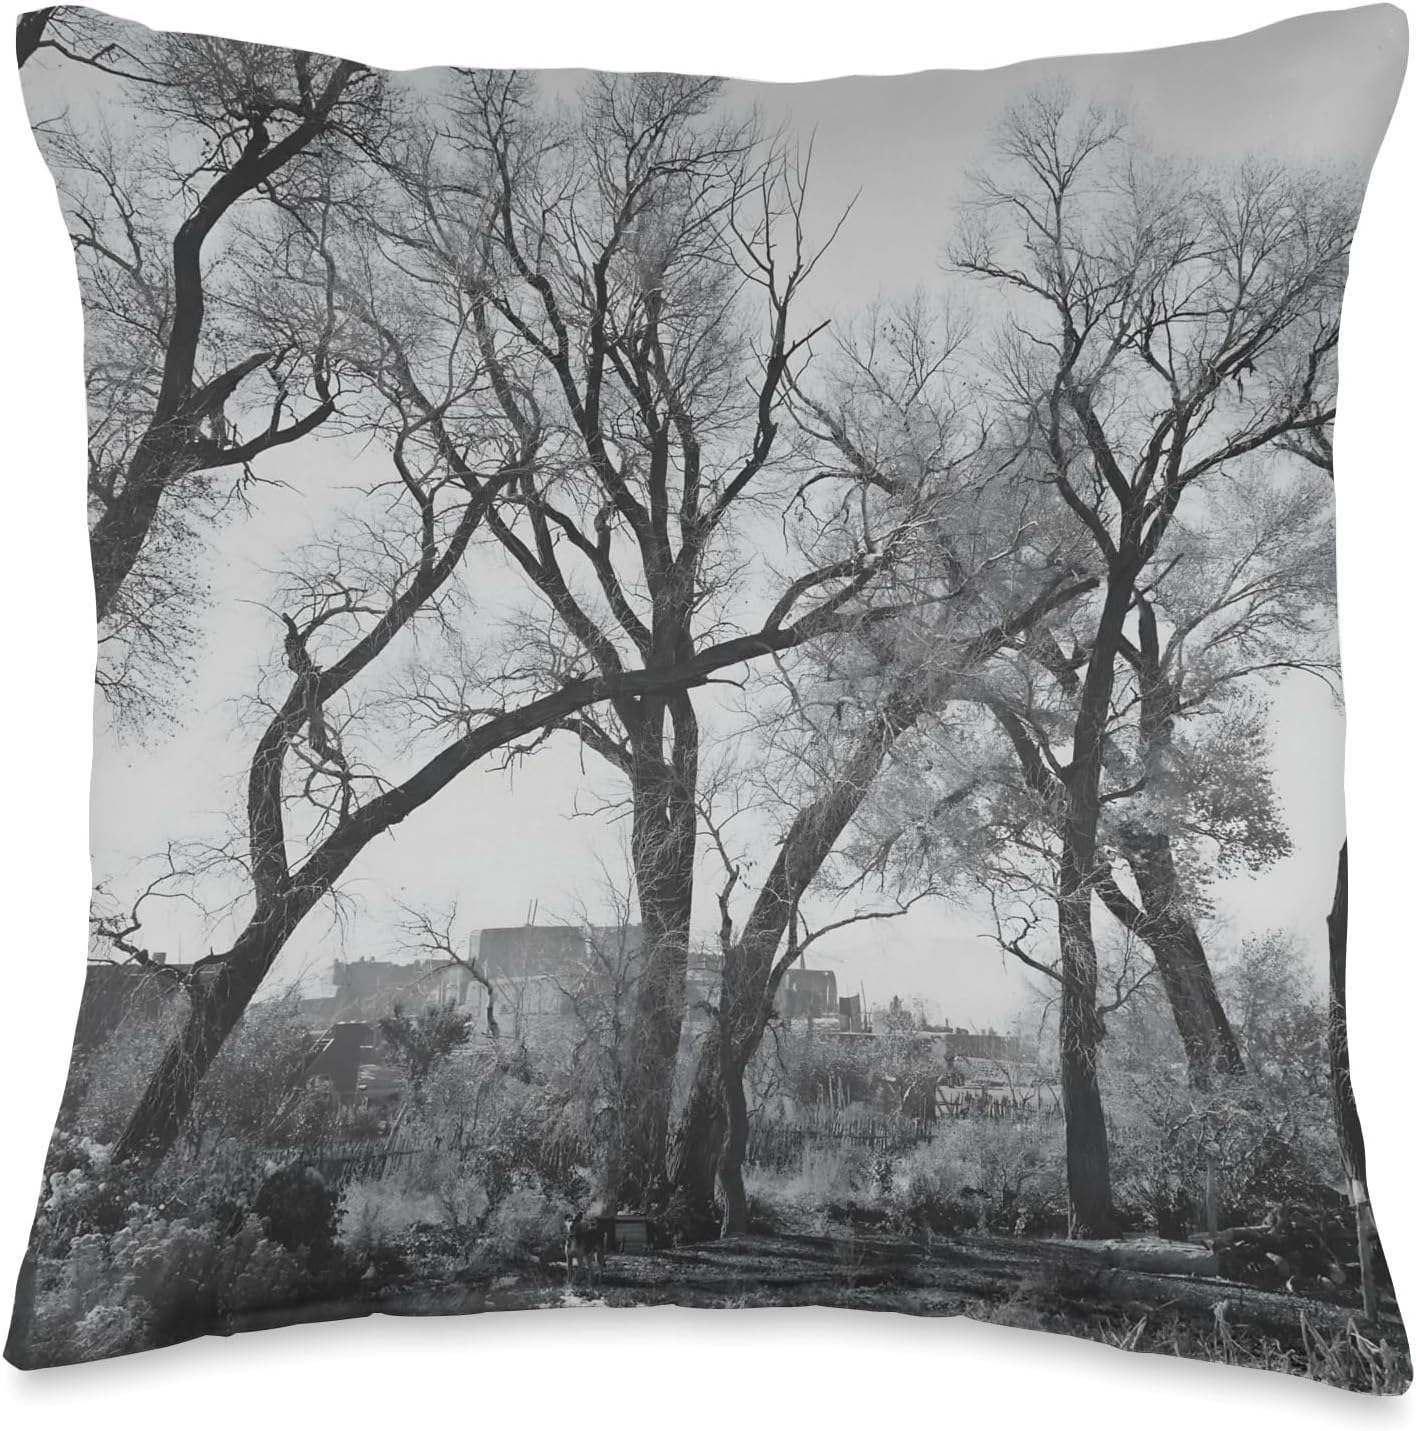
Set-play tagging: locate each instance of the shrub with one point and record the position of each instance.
(828, 1174)
(152, 1282)
(299, 1211)
(992, 1176)
(423, 1043)
(382, 1219)
(521, 1225)
(1266, 1147)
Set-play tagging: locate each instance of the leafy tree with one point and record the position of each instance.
(421, 1043)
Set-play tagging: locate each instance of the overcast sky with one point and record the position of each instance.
(1317, 89)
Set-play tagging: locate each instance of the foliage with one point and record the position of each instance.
(253, 1092)
(376, 1215)
(1268, 1135)
(420, 1044)
(299, 1211)
(155, 1280)
(124, 1260)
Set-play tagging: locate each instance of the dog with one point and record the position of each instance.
(585, 1242)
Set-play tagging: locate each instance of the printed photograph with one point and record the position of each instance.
(714, 693)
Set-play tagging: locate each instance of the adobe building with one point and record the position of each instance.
(370, 989)
(808, 994)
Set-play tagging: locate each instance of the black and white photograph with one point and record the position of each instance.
(716, 693)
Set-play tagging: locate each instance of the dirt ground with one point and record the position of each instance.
(1048, 1285)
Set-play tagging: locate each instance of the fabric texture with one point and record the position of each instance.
(715, 693)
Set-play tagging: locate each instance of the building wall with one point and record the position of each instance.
(807, 993)
(373, 988)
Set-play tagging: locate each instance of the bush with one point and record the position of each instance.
(1267, 1148)
(384, 1221)
(299, 1211)
(986, 1175)
(104, 1086)
(425, 1042)
(521, 1226)
(827, 1175)
(124, 1260)
(250, 1093)
(152, 1282)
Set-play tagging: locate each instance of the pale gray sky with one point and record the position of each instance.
(1319, 89)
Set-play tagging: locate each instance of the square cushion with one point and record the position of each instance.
(714, 692)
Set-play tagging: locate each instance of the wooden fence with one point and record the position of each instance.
(779, 1144)
(340, 1159)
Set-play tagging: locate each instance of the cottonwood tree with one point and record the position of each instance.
(633, 279)
(980, 571)
(321, 783)
(1243, 597)
(84, 36)
(185, 139)
(1167, 329)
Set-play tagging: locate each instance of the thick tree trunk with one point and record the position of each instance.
(29, 31)
(663, 850)
(1080, 1033)
(1210, 1044)
(1088, 1154)
(637, 1168)
(698, 1139)
(734, 1150)
(1205, 1032)
(218, 1001)
(1204, 1029)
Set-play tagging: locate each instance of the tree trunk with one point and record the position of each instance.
(1088, 1155)
(698, 1140)
(1080, 1034)
(1349, 1129)
(218, 1001)
(29, 31)
(1210, 1044)
(734, 1148)
(749, 979)
(1209, 1040)
(663, 850)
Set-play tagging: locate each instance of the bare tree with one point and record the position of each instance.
(979, 574)
(315, 797)
(1169, 328)
(202, 131)
(633, 289)
(84, 36)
